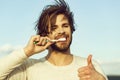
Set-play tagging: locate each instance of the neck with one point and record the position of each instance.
(59, 58)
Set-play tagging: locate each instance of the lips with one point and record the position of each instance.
(65, 37)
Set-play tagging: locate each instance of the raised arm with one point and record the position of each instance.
(16, 58)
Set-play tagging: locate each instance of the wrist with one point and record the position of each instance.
(101, 77)
(27, 52)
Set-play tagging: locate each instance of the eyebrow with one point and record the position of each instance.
(65, 24)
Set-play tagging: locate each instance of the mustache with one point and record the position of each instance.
(63, 35)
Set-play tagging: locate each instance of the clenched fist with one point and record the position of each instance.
(37, 44)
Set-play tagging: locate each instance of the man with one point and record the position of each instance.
(54, 32)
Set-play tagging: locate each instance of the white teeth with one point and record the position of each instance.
(61, 39)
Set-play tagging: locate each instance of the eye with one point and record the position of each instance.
(66, 25)
(53, 28)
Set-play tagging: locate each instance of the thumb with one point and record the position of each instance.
(89, 61)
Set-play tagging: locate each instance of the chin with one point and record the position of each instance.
(62, 48)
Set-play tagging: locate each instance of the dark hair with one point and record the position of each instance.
(48, 15)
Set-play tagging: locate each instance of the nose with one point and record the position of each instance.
(61, 31)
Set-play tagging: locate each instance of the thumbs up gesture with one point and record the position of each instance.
(89, 61)
(88, 72)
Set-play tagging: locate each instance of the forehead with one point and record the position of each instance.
(58, 19)
(61, 18)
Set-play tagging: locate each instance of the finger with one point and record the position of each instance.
(46, 40)
(86, 77)
(34, 38)
(82, 69)
(47, 45)
(42, 42)
(89, 61)
(49, 40)
(83, 73)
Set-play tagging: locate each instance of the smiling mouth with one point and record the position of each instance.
(62, 39)
(58, 40)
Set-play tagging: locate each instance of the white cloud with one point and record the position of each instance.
(7, 48)
(111, 67)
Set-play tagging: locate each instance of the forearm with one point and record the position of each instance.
(10, 62)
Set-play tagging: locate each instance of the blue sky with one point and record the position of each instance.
(97, 26)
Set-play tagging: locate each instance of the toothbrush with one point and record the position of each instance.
(54, 40)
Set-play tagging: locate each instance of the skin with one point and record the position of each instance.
(61, 58)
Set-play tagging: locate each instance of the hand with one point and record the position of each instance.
(41, 45)
(88, 72)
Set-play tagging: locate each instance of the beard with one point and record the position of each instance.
(62, 48)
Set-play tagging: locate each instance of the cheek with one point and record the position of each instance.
(68, 31)
(51, 35)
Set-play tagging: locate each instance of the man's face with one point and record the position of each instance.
(61, 29)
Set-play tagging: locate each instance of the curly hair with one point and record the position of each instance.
(49, 14)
